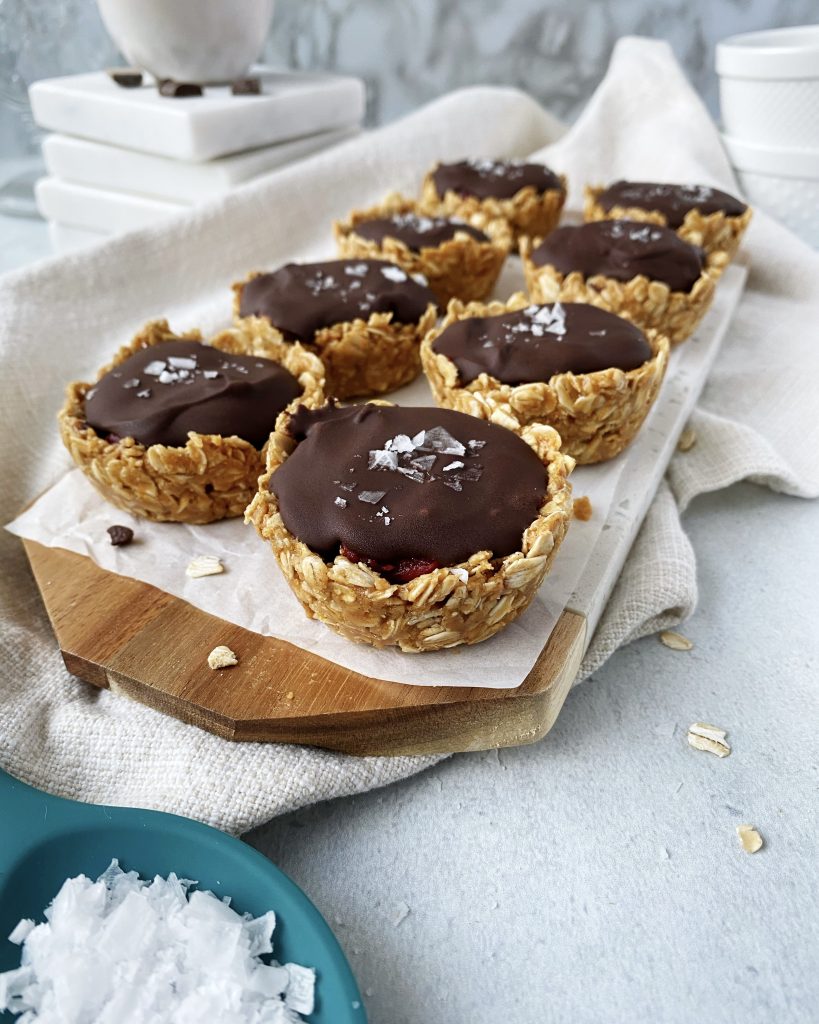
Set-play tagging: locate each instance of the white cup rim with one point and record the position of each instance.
(771, 54)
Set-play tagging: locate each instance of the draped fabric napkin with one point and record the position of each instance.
(60, 320)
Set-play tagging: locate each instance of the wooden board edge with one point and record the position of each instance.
(451, 719)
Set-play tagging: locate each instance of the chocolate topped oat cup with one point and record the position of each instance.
(528, 196)
(641, 271)
(416, 528)
(457, 258)
(364, 318)
(582, 370)
(175, 429)
(701, 215)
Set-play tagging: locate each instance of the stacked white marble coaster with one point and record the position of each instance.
(121, 158)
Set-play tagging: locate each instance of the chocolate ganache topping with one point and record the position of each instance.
(302, 298)
(622, 249)
(416, 231)
(160, 393)
(673, 201)
(399, 487)
(496, 179)
(535, 343)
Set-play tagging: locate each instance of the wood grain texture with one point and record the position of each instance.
(140, 642)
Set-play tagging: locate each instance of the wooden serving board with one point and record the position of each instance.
(129, 637)
(146, 644)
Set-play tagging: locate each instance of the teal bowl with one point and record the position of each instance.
(44, 840)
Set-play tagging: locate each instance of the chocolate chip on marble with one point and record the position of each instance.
(179, 90)
(127, 78)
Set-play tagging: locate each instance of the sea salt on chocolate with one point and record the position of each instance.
(416, 231)
(672, 201)
(622, 249)
(495, 179)
(535, 343)
(433, 486)
(191, 387)
(302, 298)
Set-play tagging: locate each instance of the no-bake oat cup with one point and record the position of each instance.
(587, 373)
(528, 196)
(363, 318)
(641, 271)
(175, 429)
(413, 528)
(458, 258)
(704, 216)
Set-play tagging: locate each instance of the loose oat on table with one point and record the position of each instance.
(688, 438)
(204, 565)
(750, 838)
(222, 657)
(676, 641)
(703, 736)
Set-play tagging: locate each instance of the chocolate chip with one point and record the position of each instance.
(246, 87)
(120, 535)
(127, 78)
(177, 90)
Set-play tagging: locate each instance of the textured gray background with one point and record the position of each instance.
(409, 51)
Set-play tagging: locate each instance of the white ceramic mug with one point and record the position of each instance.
(189, 40)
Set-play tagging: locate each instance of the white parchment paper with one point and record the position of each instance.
(72, 515)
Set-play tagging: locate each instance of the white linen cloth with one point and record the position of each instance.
(60, 320)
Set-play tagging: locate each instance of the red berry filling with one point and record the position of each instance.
(402, 571)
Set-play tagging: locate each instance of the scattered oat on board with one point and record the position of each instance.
(222, 657)
(676, 641)
(688, 438)
(582, 508)
(749, 837)
(204, 565)
(703, 736)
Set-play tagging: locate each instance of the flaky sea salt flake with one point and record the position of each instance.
(371, 497)
(153, 369)
(182, 362)
(401, 443)
(300, 992)
(380, 458)
(453, 465)
(439, 440)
